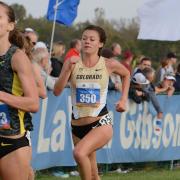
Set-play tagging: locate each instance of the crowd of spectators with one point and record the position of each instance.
(145, 81)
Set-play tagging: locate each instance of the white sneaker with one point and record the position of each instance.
(60, 174)
(74, 173)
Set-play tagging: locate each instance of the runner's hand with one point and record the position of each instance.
(121, 106)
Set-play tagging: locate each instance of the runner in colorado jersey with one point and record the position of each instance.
(91, 123)
(89, 89)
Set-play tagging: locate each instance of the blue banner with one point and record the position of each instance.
(134, 138)
(66, 11)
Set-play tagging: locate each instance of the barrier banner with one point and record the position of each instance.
(134, 138)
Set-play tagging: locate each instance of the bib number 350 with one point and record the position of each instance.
(87, 98)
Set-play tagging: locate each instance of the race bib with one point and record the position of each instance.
(88, 94)
(4, 117)
(105, 120)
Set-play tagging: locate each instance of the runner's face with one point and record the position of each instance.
(91, 42)
(5, 25)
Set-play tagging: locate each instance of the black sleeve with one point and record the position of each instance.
(56, 67)
(133, 95)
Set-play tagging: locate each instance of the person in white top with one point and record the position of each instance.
(172, 59)
(91, 123)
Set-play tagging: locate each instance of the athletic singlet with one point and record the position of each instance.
(89, 88)
(12, 121)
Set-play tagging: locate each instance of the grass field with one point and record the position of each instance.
(135, 175)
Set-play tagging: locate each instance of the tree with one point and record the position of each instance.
(20, 11)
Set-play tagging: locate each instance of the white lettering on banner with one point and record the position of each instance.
(127, 141)
(168, 123)
(59, 132)
(156, 141)
(146, 131)
(43, 143)
(57, 139)
(139, 124)
(176, 140)
(140, 132)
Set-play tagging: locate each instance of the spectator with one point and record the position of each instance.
(40, 44)
(27, 48)
(116, 49)
(162, 71)
(137, 86)
(56, 59)
(114, 80)
(149, 73)
(136, 61)
(145, 62)
(142, 89)
(41, 58)
(127, 60)
(166, 86)
(172, 58)
(33, 36)
(75, 49)
(107, 53)
(177, 82)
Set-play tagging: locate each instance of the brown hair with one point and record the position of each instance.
(107, 53)
(15, 36)
(28, 46)
(164, 62)
(147, 71)
(73, 43)
(145, 59)
(100, 31)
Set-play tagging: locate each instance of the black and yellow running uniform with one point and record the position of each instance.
(89, 88)
(12, 121)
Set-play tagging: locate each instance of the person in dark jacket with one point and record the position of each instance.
(142, 89)
(56, 59)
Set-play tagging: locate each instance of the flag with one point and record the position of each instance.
(160, 20)
(66, 11)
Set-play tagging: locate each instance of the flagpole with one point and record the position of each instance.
(54, 24)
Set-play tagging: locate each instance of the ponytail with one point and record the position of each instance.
(17, 38)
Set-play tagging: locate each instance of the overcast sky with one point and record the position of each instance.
(114, 9)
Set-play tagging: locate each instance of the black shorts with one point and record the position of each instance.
(8, 145)
(81, 131)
